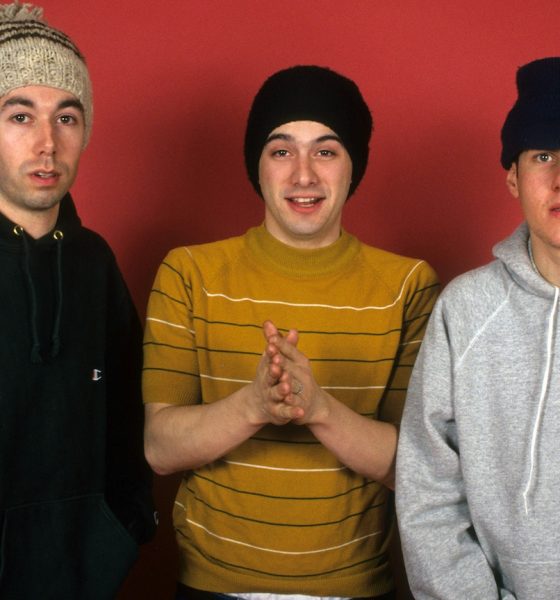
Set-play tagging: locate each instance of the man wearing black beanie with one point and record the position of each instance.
(288, 472)
(478, 470)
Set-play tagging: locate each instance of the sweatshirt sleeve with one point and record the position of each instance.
(128, 477)
(442, 555)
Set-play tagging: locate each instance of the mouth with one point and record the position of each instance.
(305, 202)
(45, 176)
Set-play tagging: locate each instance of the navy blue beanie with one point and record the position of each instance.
(534, 120)
(309, 93)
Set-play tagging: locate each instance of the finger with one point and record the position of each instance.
(288, 413)
(280, 390)
(287, 348)
(269, 329)
(275, 372)
(269, 372)
(292, 337)
(271, 351)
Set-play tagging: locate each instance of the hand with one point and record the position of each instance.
(294, 375)
(272, 387)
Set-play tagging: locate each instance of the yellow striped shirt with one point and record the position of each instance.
(280, 513)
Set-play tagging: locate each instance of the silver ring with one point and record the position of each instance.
(297, 390)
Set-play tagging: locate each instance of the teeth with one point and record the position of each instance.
(41, 174)
(304, 200)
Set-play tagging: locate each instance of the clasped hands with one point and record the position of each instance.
(285, 387)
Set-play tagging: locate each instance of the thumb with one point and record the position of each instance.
(293, 337)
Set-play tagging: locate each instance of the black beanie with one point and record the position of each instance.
(309, 93)
(534, 120)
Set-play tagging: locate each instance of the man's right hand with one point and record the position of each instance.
(273, 384)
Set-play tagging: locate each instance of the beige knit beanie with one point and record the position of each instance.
(32, 53)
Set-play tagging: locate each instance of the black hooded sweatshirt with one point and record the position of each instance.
(74, 487)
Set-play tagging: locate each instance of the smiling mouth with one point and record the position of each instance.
(305, 202)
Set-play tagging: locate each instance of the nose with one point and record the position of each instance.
(304, 174)
(45, 143)
(556, 179)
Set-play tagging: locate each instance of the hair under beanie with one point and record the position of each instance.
(534, 120)
(310, 93)
(32, 53)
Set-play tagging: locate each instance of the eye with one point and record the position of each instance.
(67, 119)
(280, 153)
(544, 157)
(20, 118)
(326, 153)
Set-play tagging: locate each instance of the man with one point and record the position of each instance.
(478, 474)
(287, 472)
(74, 487)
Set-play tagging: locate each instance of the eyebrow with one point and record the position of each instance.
(23, 101)
(290, 138)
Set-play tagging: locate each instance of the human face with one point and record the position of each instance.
(41, 140)
(304, 174)
(535, 181)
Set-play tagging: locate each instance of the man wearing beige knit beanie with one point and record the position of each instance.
(74, 487)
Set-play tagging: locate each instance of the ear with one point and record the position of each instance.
(511, 180)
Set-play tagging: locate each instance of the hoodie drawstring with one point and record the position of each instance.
(544, 391)
(55, 338)
(35, 346)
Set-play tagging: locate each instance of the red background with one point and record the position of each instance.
(173, 82)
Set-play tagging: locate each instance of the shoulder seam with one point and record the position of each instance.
(484, 325)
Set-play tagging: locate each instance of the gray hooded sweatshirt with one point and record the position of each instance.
(478, 468)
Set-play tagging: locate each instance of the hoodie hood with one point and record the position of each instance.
(514, 253)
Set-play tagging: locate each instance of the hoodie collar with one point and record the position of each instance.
(13, 238)
(514, 254)
(67, 222)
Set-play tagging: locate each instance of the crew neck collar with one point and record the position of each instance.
(301, 262)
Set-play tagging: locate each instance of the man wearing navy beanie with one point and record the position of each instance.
(286, 432)
(478, 475)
